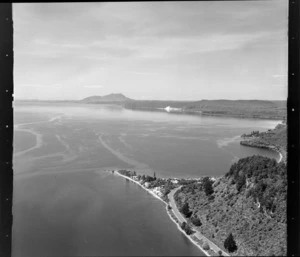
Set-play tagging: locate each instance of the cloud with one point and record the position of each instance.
(48, 43)
(157, 44)
(279, 85)
(94, 86)
(144, 73)
(41, 86)
(279, 75)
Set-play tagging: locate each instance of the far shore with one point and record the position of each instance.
(211, 244)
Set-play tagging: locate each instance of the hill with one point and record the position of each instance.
(241, 108)
(275, 139)
(249, 202)
(118, 98)
(260, 109)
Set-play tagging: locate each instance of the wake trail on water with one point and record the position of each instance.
(38, 141)
(121, 138)
(38, 136)
(226, 141)
(121, 156)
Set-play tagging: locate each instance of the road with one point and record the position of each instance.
(180, 217)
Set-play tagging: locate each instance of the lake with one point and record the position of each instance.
(65, 202)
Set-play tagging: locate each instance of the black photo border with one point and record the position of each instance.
(6, 129)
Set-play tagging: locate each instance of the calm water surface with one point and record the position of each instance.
(66, 204)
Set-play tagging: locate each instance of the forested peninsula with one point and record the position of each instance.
(240, 213)
(273, 139)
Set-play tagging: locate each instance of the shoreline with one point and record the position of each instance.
(269, 147)
(280, 156)
(209, 114)
(136, 182)
(172, 219)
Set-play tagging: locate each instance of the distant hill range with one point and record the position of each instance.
(119, 98)
(259, 109)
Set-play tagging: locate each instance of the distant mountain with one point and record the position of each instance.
(106, 98)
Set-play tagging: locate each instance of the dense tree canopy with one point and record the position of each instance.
(207, 184)
(196, 221)
(185, 209)
(230, 244)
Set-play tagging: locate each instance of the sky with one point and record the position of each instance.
(151, 50)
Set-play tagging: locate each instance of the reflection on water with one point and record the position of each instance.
(65, 204)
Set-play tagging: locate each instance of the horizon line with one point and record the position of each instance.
(169, 100)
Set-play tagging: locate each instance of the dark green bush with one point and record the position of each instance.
(186, 228)
(196, 221)
(206, 246)
(185, 209)
(207, 185)
(230, 244)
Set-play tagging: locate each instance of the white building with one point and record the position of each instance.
(157, 191)
(169, 109)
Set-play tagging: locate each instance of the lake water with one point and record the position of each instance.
(66, 204)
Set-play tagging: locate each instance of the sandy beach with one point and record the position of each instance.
(280, 157)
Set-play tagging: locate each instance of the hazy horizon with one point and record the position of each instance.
(173, 51)
(187, 100)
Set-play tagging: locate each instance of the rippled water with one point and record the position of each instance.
(65, 204)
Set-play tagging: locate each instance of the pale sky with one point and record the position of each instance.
(151, 50)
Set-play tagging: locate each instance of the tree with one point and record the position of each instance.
(186, 228)
(196, 221)
(241, 181)
(186, 210)
(183, 224)
(206, 246)
(230, 244)
(154, 175)
(149, 179)
(207, 184)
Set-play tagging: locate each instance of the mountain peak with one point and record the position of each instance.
(115, 97)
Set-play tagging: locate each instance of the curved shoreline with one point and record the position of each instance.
(177, 223)
(269, 147)
(280, 156)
